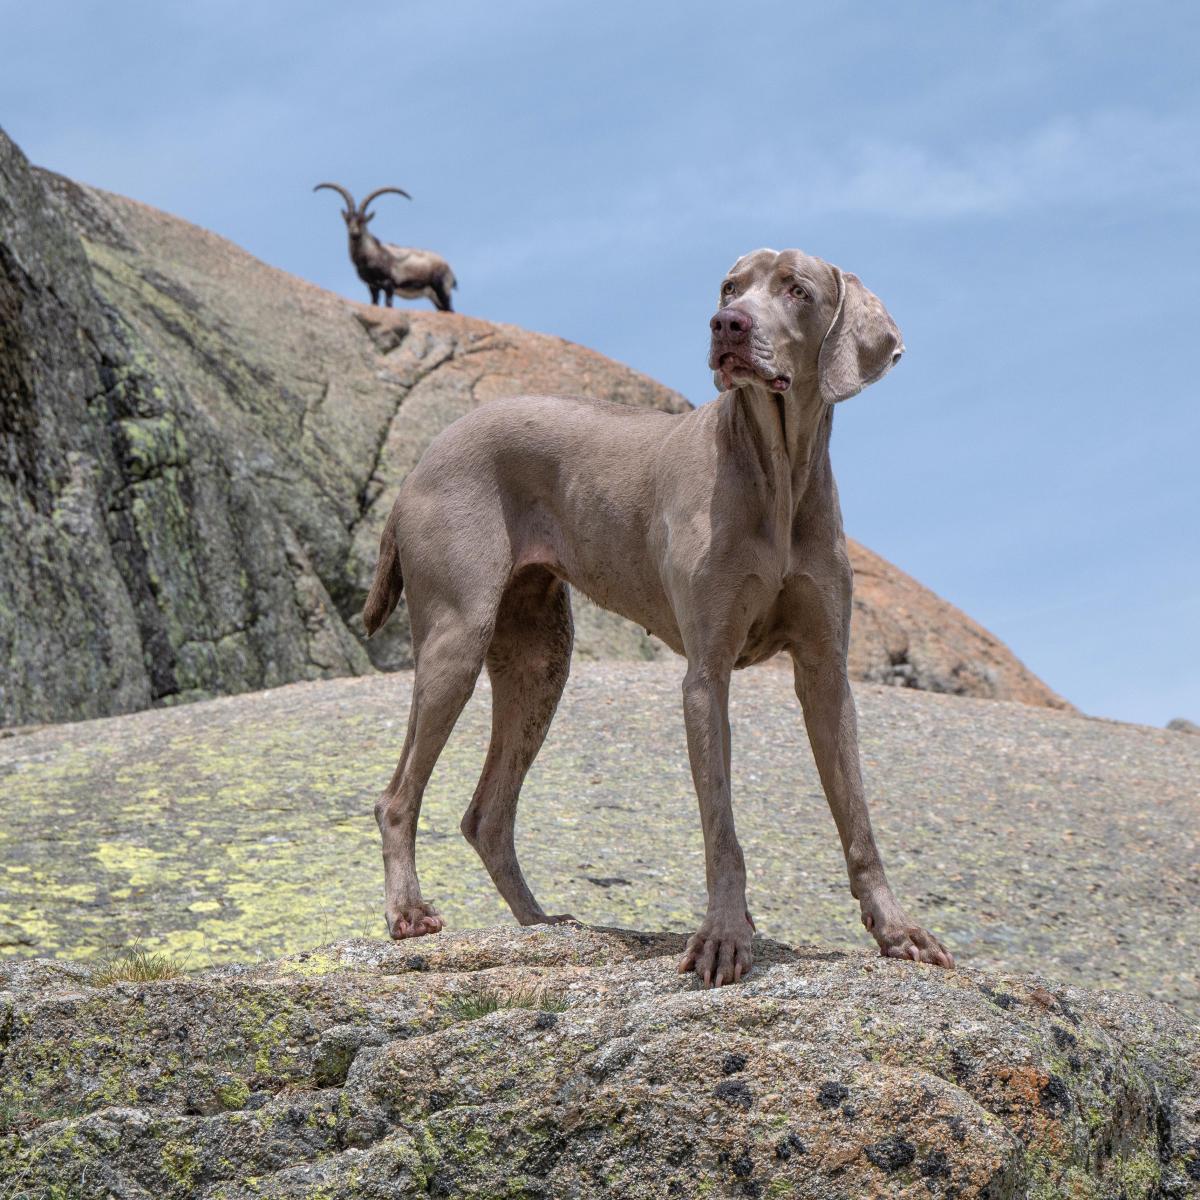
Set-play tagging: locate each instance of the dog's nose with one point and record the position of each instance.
(730, 325)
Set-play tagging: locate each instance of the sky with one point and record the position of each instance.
(1019, 183)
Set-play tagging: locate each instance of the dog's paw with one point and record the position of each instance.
(719, 952)
(413, 920)
(898, 937)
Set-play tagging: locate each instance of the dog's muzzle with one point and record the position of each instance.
(731, 352)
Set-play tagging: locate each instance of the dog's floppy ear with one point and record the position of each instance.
(862, 344)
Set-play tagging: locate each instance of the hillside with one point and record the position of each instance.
(199, 451)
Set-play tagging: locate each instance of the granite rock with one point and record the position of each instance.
(576, 1062)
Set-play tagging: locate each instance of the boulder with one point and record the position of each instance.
(904, 635)
(242, 828)
(574, 1062)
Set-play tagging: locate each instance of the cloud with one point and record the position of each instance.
(1106, 160)
(1120, 161)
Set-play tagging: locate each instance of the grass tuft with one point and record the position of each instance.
(479, 1000)
(16, 1118)
(136, 965)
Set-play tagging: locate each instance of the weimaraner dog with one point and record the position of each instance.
(718, 530)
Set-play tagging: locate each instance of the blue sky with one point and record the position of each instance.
(1019, 182)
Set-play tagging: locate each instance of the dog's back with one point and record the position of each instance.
(562, 482)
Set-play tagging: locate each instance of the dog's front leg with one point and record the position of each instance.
(832, 723)
(719, 952)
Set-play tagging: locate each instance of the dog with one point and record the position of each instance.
(718, 530)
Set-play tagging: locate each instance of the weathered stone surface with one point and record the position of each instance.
(375, 1070)
(140, 563)
(199, 451)
(331, 403)
(241, 829)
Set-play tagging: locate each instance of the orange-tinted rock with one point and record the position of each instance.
(566, 1061)
(903, 634)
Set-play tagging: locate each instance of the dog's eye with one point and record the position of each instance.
(800, 293)
(727, 288)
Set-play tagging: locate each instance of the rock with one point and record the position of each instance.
(831, 1076)
(894, 1152)
(199, 451)
(141, 564)
(1183, 725)
(904, 635)
(242, 828)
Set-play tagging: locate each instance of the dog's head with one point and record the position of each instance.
(789, 320)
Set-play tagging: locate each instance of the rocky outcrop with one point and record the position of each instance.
(568, 1061)
(140, 562)
(199, 451)
(328, 403)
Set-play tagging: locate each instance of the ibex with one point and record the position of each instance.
(391, 269)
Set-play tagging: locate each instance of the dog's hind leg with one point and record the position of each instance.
(528, 662)
(448, 664)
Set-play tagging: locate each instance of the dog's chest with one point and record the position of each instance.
(766, 636)
(759, 647)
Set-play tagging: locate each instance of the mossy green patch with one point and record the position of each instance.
(233, 1094)
(314, 963)
(181, 1166)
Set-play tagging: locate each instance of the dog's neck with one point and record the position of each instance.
(785, 433)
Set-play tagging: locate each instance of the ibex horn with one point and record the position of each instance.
(337, 187)
(362, 208)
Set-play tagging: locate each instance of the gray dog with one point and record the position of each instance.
(718, 530)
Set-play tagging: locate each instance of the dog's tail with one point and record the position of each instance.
(387, 584)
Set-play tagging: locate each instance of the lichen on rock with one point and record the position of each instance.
(140, 564)
(822, 1075)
